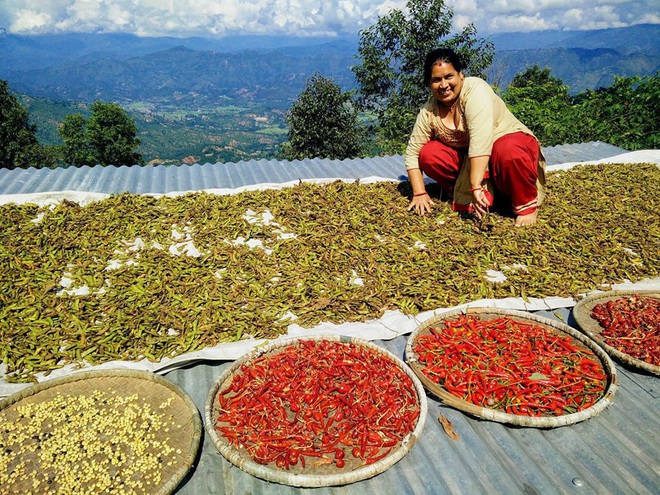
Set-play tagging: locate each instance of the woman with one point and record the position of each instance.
(467, 140)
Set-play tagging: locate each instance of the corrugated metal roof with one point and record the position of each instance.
(615, 452)
(164, 179)
(584, 152)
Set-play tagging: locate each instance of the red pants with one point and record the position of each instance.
(512, 168)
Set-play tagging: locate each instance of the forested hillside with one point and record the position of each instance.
(198, 99)
(186, 76)
(193, 70)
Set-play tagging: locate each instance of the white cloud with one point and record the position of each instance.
(517, 23)
(533, 15)
(29, 20)
(305, 17)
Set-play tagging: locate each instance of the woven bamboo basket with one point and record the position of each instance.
(591, 327)
(241, 459)
(158, 396)
(499, 415)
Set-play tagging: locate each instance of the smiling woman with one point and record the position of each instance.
(467, 140)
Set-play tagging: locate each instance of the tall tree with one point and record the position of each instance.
(543, 104)
(112, 134)
(19, 147)
(76, 150)
(323, 122)
(392, 52)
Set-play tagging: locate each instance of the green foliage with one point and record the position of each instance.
(112, 135)
(392, 53)
(19, 147)
(323, 123)
(542, 103)
(107, 138)
(76, 150)
(624, 114)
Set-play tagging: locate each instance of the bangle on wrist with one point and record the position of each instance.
(476, 188)
(420, 194)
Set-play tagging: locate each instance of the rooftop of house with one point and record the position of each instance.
(614, 452)
(161, 179)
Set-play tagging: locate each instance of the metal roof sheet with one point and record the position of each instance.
(615, 452)
(162, 179)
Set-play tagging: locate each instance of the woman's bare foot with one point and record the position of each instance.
(524, 220)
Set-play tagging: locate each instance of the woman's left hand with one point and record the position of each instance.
(482, 201)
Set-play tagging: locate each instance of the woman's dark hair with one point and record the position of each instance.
(446, 55)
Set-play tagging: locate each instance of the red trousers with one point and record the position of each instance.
(512, 168)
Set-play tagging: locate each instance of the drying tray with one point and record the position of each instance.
(94, 399)
(241, 459)
(591, 326)
(488, 313)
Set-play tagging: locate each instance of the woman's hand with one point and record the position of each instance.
(421, 203)
(481, 200)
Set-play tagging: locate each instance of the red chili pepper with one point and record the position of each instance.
(489, 362)
(631, 324)
(302, 404)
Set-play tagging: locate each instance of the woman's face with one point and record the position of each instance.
(446, 83)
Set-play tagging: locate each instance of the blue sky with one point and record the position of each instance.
(182, 18)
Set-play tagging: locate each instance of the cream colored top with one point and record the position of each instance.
(483, 114)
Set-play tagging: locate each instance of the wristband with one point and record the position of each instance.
(476, 189)
(420, 194)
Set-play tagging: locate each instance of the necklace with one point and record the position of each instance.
(450, 108)
(451, 115)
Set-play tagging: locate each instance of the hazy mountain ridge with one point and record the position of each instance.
(127, 68)
(224, 100)
(180, 72)
(580, 69)
(639, 38)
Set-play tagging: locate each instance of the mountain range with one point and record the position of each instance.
(222, 100)
(127, 68)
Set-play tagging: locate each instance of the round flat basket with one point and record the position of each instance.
(319, 469)
(591, 327)
(501, 415)
(105, 431)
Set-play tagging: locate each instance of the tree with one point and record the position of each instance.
(76, 150)
(112, 135)
(107, 138)
(323, 122)
(392, 51)
(19, 147)
(543, 104)
(624, 114)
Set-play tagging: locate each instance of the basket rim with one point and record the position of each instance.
(189, 455)
(591, 327)
(503, 417)
(232, 454)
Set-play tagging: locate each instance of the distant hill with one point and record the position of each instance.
(225, 99)
(127, 68)
(581, 59)
(180, 73)
(21, 52)
(639, 38)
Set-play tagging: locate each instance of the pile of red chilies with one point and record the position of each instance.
(632, 326)
(320, 403)
(505, 364)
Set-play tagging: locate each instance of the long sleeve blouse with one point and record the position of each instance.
(484, 115)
